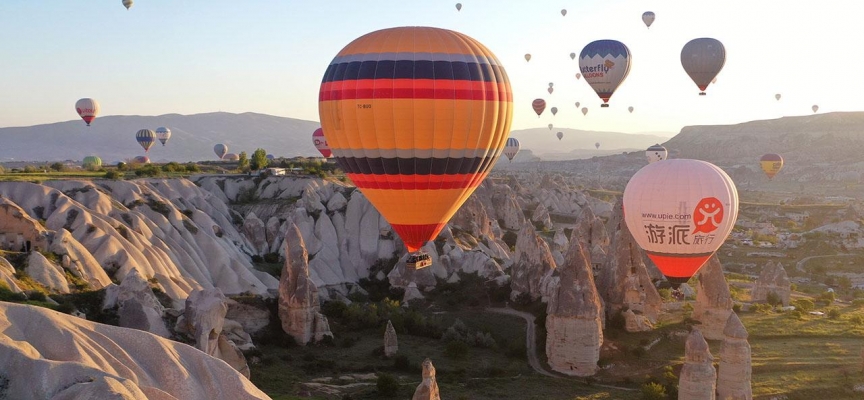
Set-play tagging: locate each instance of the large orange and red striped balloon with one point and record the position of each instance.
(416, 117)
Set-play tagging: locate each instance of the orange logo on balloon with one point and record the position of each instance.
(609, 64)
(708, 215)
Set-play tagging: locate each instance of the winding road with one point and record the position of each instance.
(800, 264)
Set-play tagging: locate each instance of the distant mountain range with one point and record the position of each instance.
(192, 137)
(579, 144)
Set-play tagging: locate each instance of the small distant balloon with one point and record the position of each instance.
(320, 142)
(458, 6)
(220, 150)
(815, 108)
(714, 81)
(578, 104)
(597, 145)
(771, 164)
(584, 110)
(550, 90)
(572, 56)
(777, 96)
(142, 160)
(231, 157)
(163, 134)
(648, 18)
(128, 4)
(656, 153)
(550, 127)
(146, 138)
(527, 57)
(271, 157)
(563, 13)
(630, 109)
(560, 135)
(511, 148)
(88, 109)
(578, 75)
(551, 84)
(554, 110)
(538, 105)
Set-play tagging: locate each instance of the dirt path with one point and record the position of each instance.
(800, 264)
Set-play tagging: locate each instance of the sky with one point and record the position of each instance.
(268, 56)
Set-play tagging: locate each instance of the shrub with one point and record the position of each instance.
(192, 167)
(828, 297)
(665, 293)
(858, 302)
(653, 391)
(804, 305)
(736, 308)
(387, 385)
(833, 312)
(113, 174)
(456, 349)
(509, 238)
(773, 299)
(856, 320)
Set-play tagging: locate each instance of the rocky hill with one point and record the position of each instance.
(578, 144)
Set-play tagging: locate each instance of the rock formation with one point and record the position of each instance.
(7, 276)
(574, 331)
(713, 300)
(698, 377)
(733, 377)
(136, 304)
(594, 237)
(531, 263)
(428, 388)
(256, 232)
(47, 273)
(391, 345)
(773, 279)
(298, 297)
(636, 322)
(19, 231)
(204, 320)
(72, 358)
(541, 218)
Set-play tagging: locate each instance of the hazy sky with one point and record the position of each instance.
(268, 56)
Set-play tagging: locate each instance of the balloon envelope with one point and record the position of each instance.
(128, 4)
(597, 145)
(271, 157)
(578, 75)
(815, 108)
(419, 149)
(231, 157)
(560, 135)
(777, 96)
(163, 134)
(648, 18)
(550, 127)
(320, 143)
(458, 6)
(702, 59)
(563, 13)
(572, 56)
(142, 160)
(91, 161)
(538, 105)
(680, 212)
(550, 89)
(771, 164)
(527, 57)
(584, 110)
(88, 109)
(630, 109)
(656, 153)
(577, 104)
(605, 64)
(511, 148)
(146, 138)
(220, 150)
(554, 110)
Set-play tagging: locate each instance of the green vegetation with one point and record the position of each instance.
(259, 160)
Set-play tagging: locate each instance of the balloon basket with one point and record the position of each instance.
(604, 105)
(702, 93)
(418, 260)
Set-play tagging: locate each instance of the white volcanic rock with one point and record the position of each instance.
(428, 388)
(251, 318)
(7, 275)
(298, 296)
(733, 377)
(337, 202)
(601, 208)
(48, 355)
(411, 293)
(81, 262)
(506, 207)
(204, 319)
(531, 263)
(47, 273)
(274, 234)
(473, 218)
(391, 343)
(636, 322)
(16, 223)
(698, 378)
(594, 237)
(574, 331)
(256, 233)
(773, 279)
(541, 217)
(137, 306)
(713, 300)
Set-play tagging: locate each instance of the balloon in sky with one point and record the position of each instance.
(538, 105)
(220, 150)
(458, 6)
(648, 18)
(572, 56)
(554, 110)
(771, 164)
(231, 157)
(578, 75)
(550, 127)
(560, 135)
(320, 143)
(714, 81)
(146, 138)
(128, 4)
(91, 162)
(584, 110)
(777, 96)
(656, 153)
(630, 109)
(550, 89)
(551, 84)
(680, 212)
(88, 109)
(271, 157)
(597, 145)
(163, 134)
(815, 108)
(527, 57)
(415, 163)
(511, 148)
(577, 104)
(605, 64)
(563, 13)
(142, 160)
(702, 59)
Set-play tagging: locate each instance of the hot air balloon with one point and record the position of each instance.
(714, 81)
(630, 109)
(584, 110)
(815, 108)
(560, 135)
(554, 110)
(572, 56)
(163, 134)
(702, 59)
(128, 4)
(527, 57)
(777, 96)
(320, 143)
(511, 148)
(680, 212)
(91, 162)
(231, 157)
(563, 13)
(146, 138)
(88, 109)
(458, 6)
(550, 127)
(220, 150)
(578, 75)
(656, 153)
(551, 84)
(270, 157)
(648, 18)
(597, 145)
(550, 89)
(771, 164)
(577, 104)
(414, 163)
(141, 160)
(539, 105)
(605, 64)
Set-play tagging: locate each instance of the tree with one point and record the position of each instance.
(259, 160)
(58, 166)
(653, 391)
(387, 385)
(243, 161)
